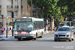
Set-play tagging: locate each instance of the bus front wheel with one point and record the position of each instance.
(19, 39)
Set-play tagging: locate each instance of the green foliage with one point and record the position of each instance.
(29, 2)
(54, 7)
(61, 19)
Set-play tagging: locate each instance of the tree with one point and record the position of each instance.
(55, 8)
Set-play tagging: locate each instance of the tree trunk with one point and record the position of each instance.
(52, 23)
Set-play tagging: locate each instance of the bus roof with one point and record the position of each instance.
(34, 18)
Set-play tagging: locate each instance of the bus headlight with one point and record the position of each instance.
(15, 33)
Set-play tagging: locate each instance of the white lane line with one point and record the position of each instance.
(50, 38)
(46, 38)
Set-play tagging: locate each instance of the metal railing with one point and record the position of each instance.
(16, 6)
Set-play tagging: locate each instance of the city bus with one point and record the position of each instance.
(28, 27)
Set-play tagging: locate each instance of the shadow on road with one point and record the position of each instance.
(50, 41)
(45, 40)
(37, 40)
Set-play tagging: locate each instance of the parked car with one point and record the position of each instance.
(73, 29)
(64, 33)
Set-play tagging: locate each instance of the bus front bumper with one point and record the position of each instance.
(24, 36)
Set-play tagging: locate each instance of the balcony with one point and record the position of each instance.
(10, 6)
(16, 6)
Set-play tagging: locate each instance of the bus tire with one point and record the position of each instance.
(41, 35)
(35, 37)
(19, 39)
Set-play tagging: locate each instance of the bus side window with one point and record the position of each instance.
(35, 26)
(41, 25)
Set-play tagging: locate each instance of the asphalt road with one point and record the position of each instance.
(45, 43)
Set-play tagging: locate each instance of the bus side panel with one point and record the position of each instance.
(39, 26)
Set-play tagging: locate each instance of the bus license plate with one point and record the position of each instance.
(23, 37)
(23, 32)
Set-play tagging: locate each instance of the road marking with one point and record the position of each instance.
(46, 38)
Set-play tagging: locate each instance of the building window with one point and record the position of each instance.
(9, 13)
(15, 13)
(16, 6)
(0, 13)
(9, 6)
(34, 13)
(0, 6)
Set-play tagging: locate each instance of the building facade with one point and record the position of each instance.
(19, 7)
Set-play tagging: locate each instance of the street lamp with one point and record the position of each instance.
(7, 21)
(12, 22)
(7, 27)
(2, 20)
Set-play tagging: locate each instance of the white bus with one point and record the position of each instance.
(28, 27)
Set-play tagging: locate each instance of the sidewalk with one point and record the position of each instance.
(4, 37)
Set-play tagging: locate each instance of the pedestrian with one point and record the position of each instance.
(47, 28)
(1, 32)
(12, 31)
(8, 28)
(4, 28)
(6, 31)
(54, 28)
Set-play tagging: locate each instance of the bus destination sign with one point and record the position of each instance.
(18, 20)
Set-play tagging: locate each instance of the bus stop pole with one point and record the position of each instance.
(12, 26)
(7, 33)
(2, 20)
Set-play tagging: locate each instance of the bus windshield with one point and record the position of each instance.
(24, 26)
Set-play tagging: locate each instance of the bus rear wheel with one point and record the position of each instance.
(41, 35)
(35, 37)
(19, 39)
